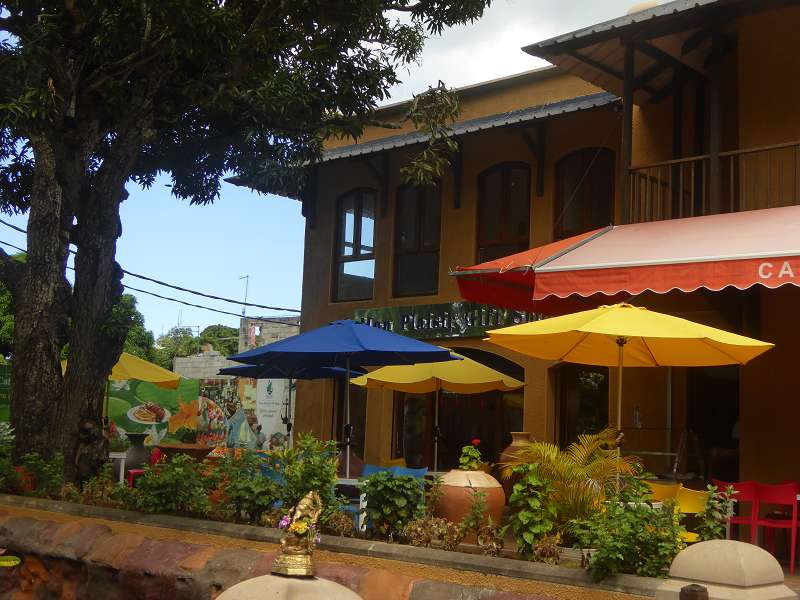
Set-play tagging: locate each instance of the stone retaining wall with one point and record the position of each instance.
(71, 557)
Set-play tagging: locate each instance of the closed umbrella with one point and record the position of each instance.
(622, 335)
(464, 376)
(345, 344)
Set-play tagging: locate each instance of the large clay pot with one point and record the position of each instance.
(518, 439)
(137, 456)
(456, 500)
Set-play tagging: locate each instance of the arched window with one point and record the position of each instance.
(584, 192)
(418, 216)
(504, 210)
(354, 254)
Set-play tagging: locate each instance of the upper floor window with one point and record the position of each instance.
(504, 210)
(416, 241)
(354, 255)
(584, 191)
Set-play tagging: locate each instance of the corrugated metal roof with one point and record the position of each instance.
(488, 122)
(670, 8)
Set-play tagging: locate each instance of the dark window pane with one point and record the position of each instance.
(367, 223)
(406, 220)
(585, 190)
(417, 273)
(431, 218)
(490, 206)
(354, 280)
(519, 210)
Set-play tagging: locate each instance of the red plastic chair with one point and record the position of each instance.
(785, 495)
(133, 474)
(746, 491)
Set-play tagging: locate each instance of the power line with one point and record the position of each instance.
(177, 287)
(216, 310)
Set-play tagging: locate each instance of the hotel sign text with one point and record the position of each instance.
(437, 321)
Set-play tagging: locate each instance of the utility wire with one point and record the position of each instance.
(216, 310)
(177, 287)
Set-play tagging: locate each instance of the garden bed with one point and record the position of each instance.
(486, 565)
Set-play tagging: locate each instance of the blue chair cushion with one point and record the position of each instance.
(370, 469)
(405, 471)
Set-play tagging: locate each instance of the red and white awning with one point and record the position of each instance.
(713, 252)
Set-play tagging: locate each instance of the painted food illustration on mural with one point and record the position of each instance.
(211, 423)
(148, 414)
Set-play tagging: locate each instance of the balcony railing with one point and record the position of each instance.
(748, 179)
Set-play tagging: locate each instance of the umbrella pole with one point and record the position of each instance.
(347, 421)
(436, 431)
(621, 341)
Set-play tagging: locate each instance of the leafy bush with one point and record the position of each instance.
(251, 497)
(533, 514)
(310, 466)
(9, 478)
(186, 435)
(103, 490)
(546, 551)
(424, 530)
(470, 459)
(178, 486)
(339, 523)
(475, 519)
(491, 538)
(631, 538)
(47, 475)
(391, 501)
(582, 476)
(713, 519)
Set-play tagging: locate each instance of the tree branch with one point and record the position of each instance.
(126, 65)
(401, 8)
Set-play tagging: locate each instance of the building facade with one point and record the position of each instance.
(681, 110)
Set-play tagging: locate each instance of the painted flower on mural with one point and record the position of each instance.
(185, 417)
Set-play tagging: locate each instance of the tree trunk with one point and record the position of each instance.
(41, 295)
(97, 337)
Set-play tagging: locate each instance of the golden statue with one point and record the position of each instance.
(298, 542)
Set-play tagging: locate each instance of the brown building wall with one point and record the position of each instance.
(566, 133)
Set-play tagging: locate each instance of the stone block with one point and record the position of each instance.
(273, 587)
(729, 570)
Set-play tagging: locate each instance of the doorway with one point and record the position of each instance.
(582, 407)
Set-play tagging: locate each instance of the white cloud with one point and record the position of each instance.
(491, 47)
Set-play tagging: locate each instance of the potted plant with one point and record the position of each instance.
(460, 486)
(187, 444)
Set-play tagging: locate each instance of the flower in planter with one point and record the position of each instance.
(476, 441)
(284, 522)
(470, 459)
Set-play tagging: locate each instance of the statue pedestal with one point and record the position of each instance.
(275, 587)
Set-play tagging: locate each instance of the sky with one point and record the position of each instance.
(210, 248)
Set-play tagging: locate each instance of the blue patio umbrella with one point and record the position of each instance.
(345, 344)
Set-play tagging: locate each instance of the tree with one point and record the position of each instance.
(178, 341)
(138, 341)
(96, 94)
(222, 338)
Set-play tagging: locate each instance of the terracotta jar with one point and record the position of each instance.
(456, 497)
(518, 439)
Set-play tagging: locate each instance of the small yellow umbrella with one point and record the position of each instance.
(630, 336)
(132, 367)
(464, 376)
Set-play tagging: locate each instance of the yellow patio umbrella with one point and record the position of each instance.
(132, 367)
(623, 335)
(464, 376)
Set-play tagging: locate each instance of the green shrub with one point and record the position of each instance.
(533, 513)
(391, 502)
(251, 497)
(103, 489)
(470, 459)
(179, 486)
(9, 478)
(310, 466)
(48, 475)
(476, 517)
(631, 538)
(713, 519)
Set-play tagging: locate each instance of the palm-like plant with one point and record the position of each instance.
(582, 475)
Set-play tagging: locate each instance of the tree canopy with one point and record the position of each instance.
(97, 94)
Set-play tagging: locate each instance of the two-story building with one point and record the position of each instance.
(679, 110)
